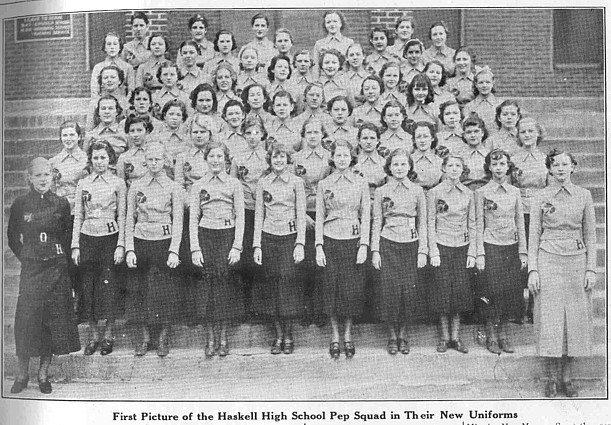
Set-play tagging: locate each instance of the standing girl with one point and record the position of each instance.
(562, 264)
(192, 75)
(474, 152)
(399, 248)
(256, 102)
(153, 231)
(250, 72)
(333, 24)
(501, 250)
(342, 239)
(216, 228)
(412, 64)
(356, 72)
(485, 102)
(113, 45)
(390, 73)
(147, 72)
(451, 232)
(369, 163)
(106, 119)
(141, 105)
(437, 75)
(404, 29)
(282, 127)
(438, 33)
(260, 28)
(426, 163)
(506, 119)
(204, 102)
(110, 80)
(420, 97)
(198, 27)
(379, 39)
(304, 74)
(131, 165)
(340, 110)
(279, 74)
(136, 52)
(283, 42)
(333, 82)
(394, 137)
(37, 233)
(314, 101)
(168, 74)
(279, 239)
(191, 164)
(224, 45)
(450, 137)
(463, 82)
(173, 135)
(371, 110)
(232, 137)
(224, 80)
(98, 243)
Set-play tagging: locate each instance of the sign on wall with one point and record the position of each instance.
(43, 27)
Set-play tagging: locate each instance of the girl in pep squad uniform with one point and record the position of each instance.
(342, 239)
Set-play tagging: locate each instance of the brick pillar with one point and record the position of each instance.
(158, 22)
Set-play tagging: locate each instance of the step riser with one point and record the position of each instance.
(44, 121)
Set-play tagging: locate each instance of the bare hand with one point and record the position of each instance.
(310, 224)
(589, 281)
(173, 260)
(298, 253)
(421, 260)
(361, 255)
(258, 256)
(435, 261)
(234, 256)
(534, 285)
(131, 260)
(523, 261)
(76, 256)
(376, 260)
(480, 262)
(470, 262)
(321, 259)
(197, 258)
(119, 254)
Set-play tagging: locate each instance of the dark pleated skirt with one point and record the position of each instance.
(99, 277)
(310, 275)
(154, 294)
(44, 319)
(343, 281)
(450, 290)
(499, 285)
(219, 289)
(400, 295)
(279, 293)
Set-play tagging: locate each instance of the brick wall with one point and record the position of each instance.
(158, 21)
(46, 69)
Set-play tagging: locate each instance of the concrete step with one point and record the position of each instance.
(52, 121)
(578, 143)
(560, 104)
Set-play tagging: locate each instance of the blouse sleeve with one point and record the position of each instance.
(238, 206)
(423, 246)
(534, 234)
(130, 219)
(179, 172)
(365, 213)
(589, 231)
(471, 226)
(121, 211)
(13, 232)
(479, 223)
(376, 230)
(194, 216)
(519, 218)
(300, 210)
(177, 218)
(121, 167)
(431, 223)
(78, 216)
(259, 215)
(320, 214)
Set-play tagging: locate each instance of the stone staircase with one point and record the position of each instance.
(577, 125)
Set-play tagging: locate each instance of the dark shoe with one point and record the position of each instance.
(551, 389)
(141, 349)
(505, 346)
(349, 349)
(45, 386)
(19, 386)
(223, 349)
(210, 350)
(442, 347)
(459, 346)
(569, 389)
(163, 349)
(91, 347)
(277, 346)
(392, 347)
(493, 347)
(403, 346)
(106, 347)
(289, 346)
(334, 350)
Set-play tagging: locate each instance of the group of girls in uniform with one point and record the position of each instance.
(289, 183)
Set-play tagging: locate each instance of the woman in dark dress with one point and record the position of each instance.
(38, 235)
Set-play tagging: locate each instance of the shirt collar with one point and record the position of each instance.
(361, 73)
(113, 128)
(566, 188)
(195, 71)
(319, 151)
(452, 133)
(337, 37)
(374, 157)
(482, 150)
(284, 176)
(77, 154)
(174, 91)
(450, 186)
(194, 150)
(406, 183)
(491, 99)
(222, 176)
(428, 155)
(161, 179)
(496, 186)
(258, 152)
(347, 174)
(103, 177)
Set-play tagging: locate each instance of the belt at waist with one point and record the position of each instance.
(555, 234)
(104, 215)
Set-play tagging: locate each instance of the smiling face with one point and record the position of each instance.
(562, 167)
(189, 55)
(463, 62)
(107, 111)
(340, 112)
(379, 41)
(438, 36)
(249, 59)
(198, 31)
(404, 31)
(420, 92)
(371, 91)
(368, 140)
(281, 70)
(279, 162)
(283, 42)
(234, 116)
(204, 102)
(225, 44)
(423, 138)
(40, 176)
(199, 135)
(137, 133)
(110, 80)
(413, 55)
(355, 57)
(399, 166)
(434, 72)
(342, 158)
(453, 169)
(391, 77)
(223, 80)
(260, 28)
(100, 161)
(216, 160)
(283, 107)
(142, 102)
(112, 47)
(256, 98)
(303, 62)
(333, 23)
(158, 47)
(69, 138)
(484, 83)
(330, 65)
(451, 116)
(173, 117)
(393, 117)
(499, 168)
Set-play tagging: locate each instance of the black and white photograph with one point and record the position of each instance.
(305, 213)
